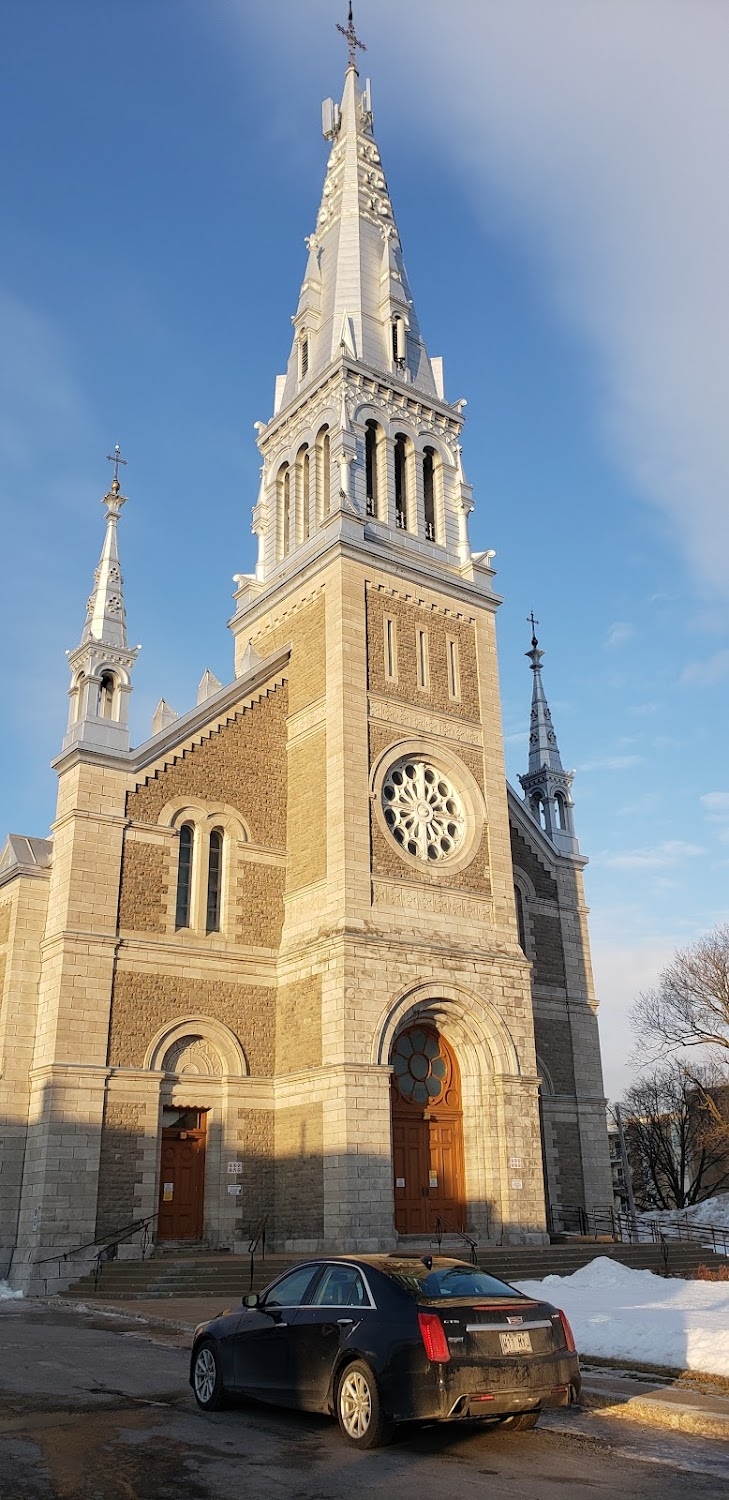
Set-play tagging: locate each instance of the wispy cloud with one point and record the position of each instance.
(613, 763)
(619, 633)
(707, 673)
(716, 807)
(659, 857)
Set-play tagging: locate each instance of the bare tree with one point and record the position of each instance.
(690, 1005)
(677, 1153)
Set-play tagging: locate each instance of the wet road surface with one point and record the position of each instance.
(93, 1408)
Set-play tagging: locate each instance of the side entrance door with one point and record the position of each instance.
(182, 1185)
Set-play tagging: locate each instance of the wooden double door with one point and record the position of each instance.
(182, 1184)
(427, 1134)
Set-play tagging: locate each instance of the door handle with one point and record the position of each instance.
(280, 1323)
(345, 1322)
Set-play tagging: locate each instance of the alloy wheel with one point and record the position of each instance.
(205, 1376)
(355, 1404)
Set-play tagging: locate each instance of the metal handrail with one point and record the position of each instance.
(442, 1226)
(635, 1229)
(258, 1237)
(109, 1246)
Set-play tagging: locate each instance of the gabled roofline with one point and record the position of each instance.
(30, 856)
(184, 728)
(533, 831)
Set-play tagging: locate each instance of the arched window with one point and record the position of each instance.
(302, 491)
(324, 474)
(303, 356)
(521, 929)
(106, 695)
(76, 697)
(284, 510)
(398, 343)
(429, 493)
(371, 467)
(184, 876)
(401, 498)
(215, 881)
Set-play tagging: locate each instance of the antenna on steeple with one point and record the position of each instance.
(352, 40)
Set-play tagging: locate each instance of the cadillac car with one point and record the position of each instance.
(378, 1340)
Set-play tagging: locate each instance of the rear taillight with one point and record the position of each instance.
(434, 1339)
(568, 1334)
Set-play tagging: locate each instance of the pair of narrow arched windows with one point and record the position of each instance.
(293, 496)
(183, 906)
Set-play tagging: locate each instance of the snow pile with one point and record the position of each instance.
(712, 1211)
(620, 1313)
(5, 1293)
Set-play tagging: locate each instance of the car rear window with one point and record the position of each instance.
(447, 1281)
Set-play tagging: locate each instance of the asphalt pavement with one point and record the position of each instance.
(98, 1408)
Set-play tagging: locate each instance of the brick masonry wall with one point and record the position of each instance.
(142, 1003)
(569, 1158)
(298, 1025)
(305, 631)
(409, 618)
(388, 863)
(120, 1165)
(243, 764)
(259, 904)
(299, 1183)
(549, 967)
(4, 923)
(144, 887)
(307, 821)
(554, 1048)
(525, 859)
(255, 1145)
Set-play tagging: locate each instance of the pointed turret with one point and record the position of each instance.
(355, 276)
(547, 786)
(102, 662)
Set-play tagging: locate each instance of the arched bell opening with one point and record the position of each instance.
(427, 1133)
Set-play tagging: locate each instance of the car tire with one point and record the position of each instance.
(522, 1421)
(207, 1380)
(359, 1409)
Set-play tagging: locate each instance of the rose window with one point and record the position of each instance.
(423, 810)
(420, 1069)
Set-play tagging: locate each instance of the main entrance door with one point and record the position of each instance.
(427, 1134)
(182, 1178)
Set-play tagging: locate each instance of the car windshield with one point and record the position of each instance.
(447, 1280)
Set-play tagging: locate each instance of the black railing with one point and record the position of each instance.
(635, 1229)
(258, 1238)
(109, 1247)
(442, 1227)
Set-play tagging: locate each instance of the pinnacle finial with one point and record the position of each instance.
(531, 621)
(353, 41)
(534, 655)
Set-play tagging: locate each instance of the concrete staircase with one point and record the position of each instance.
(229, 1276)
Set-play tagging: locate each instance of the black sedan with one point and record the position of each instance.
(383, 1339)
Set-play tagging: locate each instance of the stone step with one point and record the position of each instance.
(229, 1275)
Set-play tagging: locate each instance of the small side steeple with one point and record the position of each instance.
(101, 664)
(547, 786)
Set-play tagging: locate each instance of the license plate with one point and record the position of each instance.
(516, 1343)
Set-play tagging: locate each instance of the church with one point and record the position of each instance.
(303, 958)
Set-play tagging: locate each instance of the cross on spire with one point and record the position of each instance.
(531, 621)
(353, 41)
(116, 459)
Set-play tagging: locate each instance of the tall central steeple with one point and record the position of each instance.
(362, 444)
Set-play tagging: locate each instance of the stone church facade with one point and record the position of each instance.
(303, 956)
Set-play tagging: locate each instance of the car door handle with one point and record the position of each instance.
(345, 1322)
(280, 1323)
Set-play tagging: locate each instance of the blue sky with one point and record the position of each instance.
(556, 168)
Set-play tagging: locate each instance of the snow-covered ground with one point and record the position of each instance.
(625, 1314)
(5, 1292)
(713, 1211)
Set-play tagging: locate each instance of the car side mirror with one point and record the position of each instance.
(251, 1300)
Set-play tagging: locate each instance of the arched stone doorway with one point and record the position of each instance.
(427, 1133)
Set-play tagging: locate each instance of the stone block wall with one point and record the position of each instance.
(440, 626)
(120, 1165)
(145, 1000)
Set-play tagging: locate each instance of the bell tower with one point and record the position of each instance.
(399, 905)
